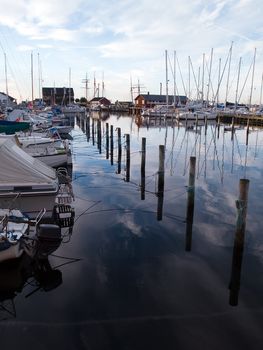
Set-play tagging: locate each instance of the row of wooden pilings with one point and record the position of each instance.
(241, 203)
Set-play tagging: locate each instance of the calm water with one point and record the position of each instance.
(139, 270)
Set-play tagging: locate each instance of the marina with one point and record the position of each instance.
(131, 167)
(166, 240)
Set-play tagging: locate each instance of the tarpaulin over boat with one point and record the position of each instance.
(18, 167)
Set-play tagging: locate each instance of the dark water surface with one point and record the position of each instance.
(145, 273)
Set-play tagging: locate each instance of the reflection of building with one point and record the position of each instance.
(149, 101)
(122, 106)
(98, 103)
(55, 95)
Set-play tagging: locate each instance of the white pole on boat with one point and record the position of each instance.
(209, 78)
(189, 78)
(32, 79)
(198, 85)
(6, 84)
(239, 66)
(166, 80)
(252, 80)
(219, 75)
(203, 81)
(39, 77)
(228, 74)
(174, 78)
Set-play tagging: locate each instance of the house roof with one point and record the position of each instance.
(97, 99)
(10, 97)
(160, 98)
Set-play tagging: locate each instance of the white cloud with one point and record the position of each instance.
(25, 48)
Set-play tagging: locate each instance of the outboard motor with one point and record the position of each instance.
(48, 239)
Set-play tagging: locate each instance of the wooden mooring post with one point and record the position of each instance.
(111, 144)
(238, 248)
(143, 168)
(119, 150)
(190, 204)
(93, 132)
(88, 128)
(107, 140)
(128, 159)
(247, 133)
(160, 193)
(205, 124)
(99, 135)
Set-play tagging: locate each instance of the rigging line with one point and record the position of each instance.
(181, 76)
(245, 82)
(221, 78)
(85, 211)
(17, 66)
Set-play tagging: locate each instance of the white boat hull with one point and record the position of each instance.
(30, 204)
(54, 160)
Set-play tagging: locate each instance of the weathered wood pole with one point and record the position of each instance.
(107, 140)
(99, 135)
(88, 128)
(247, 134)
(238, 248)
(111, 144)
(93, 132)
(160, 193)
(190, 204)
(119, 150)
(128, 159)
(143, 168)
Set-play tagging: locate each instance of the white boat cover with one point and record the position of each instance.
(18, 167)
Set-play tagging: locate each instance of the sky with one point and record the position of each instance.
(122, 44)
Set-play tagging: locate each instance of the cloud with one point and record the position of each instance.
(25, 48)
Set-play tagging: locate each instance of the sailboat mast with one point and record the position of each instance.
(166, 79)
(174, 78)
(228, 74)
(209, 78)
(32, 79)
(189, 78)
(219, 76)
(239, 66)
(252, 80)
(6, 84)
(203, 73)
